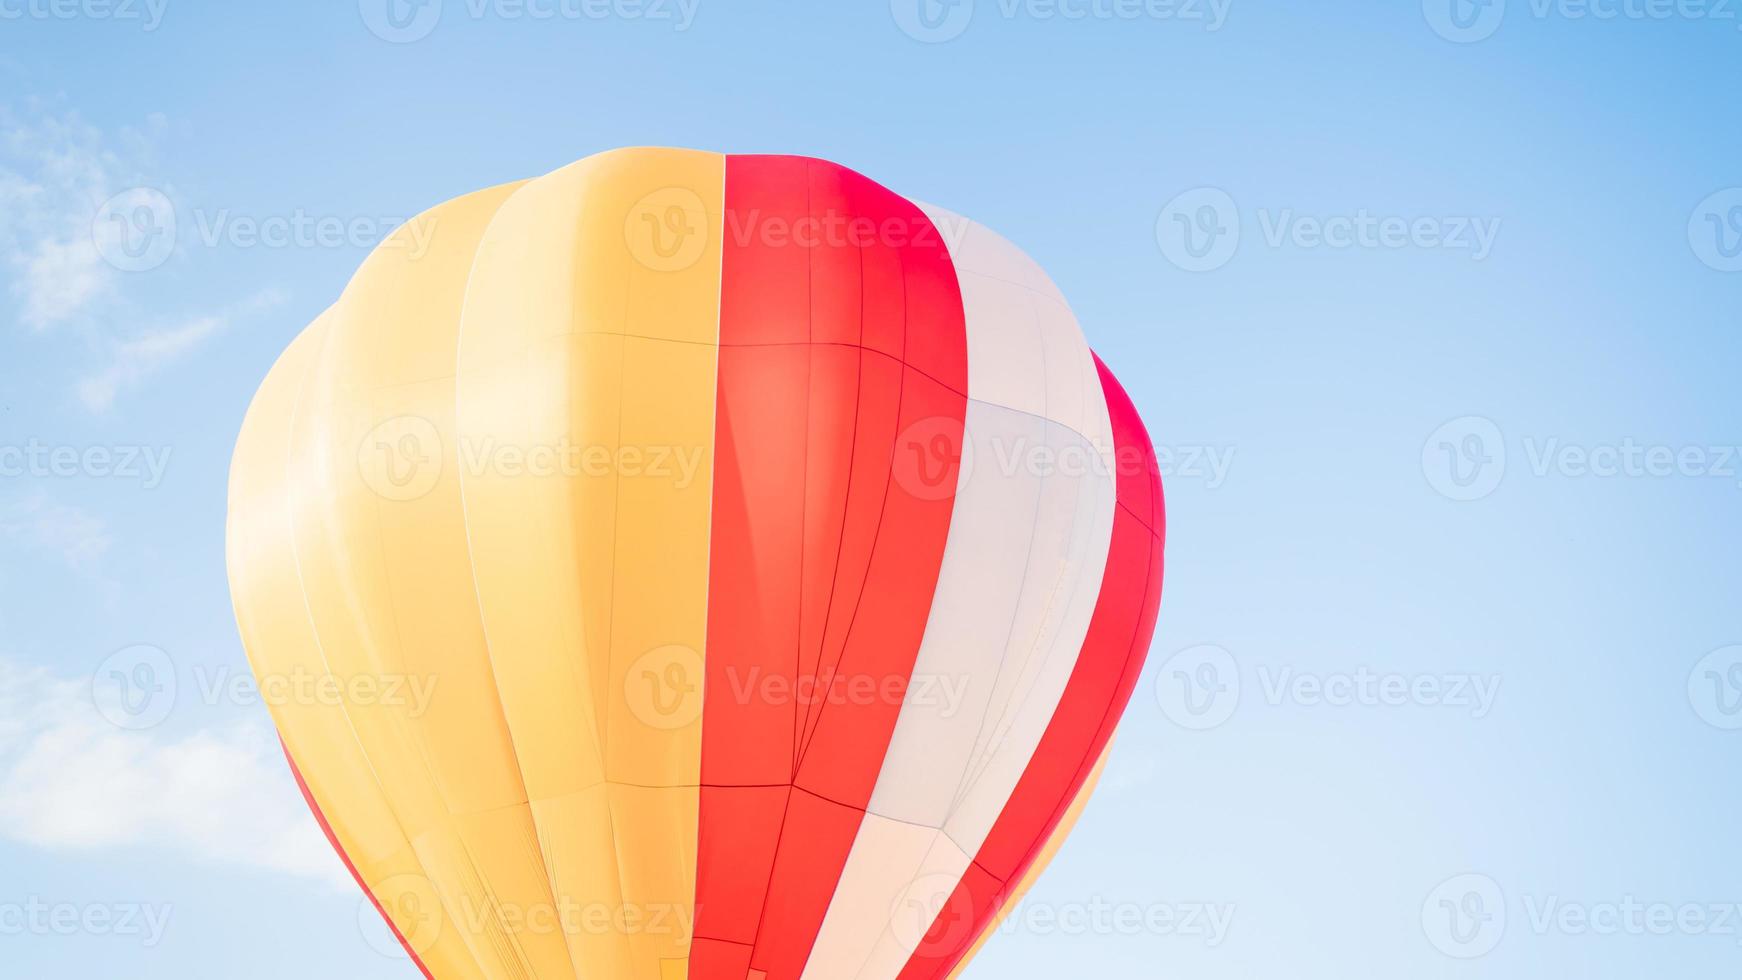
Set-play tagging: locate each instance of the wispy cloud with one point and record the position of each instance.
(135, 359)
(78, 539)
(82, 225)
(56, 171)
(71, 781)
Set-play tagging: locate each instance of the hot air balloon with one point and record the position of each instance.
(702, 567)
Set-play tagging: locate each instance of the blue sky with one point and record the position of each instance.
(1432, 307)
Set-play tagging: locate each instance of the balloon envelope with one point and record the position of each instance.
(697, 567)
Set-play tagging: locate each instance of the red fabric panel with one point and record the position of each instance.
(841, 328)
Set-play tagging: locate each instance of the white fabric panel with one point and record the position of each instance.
(1021, 571)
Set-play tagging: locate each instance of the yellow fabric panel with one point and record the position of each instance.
(1047, 853)
(281, 642)
(588, 341)
(381, 541)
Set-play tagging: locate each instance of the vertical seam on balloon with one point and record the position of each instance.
(882, 509)
(889, 479)
(478, 598)
(810, 329)
(708, 593)
(876, 538)
(852, 460)
(296, 416)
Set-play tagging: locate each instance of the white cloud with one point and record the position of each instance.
(71, 781)
(78, 538)
(82, 226)
(55, 173)
(130, 361)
